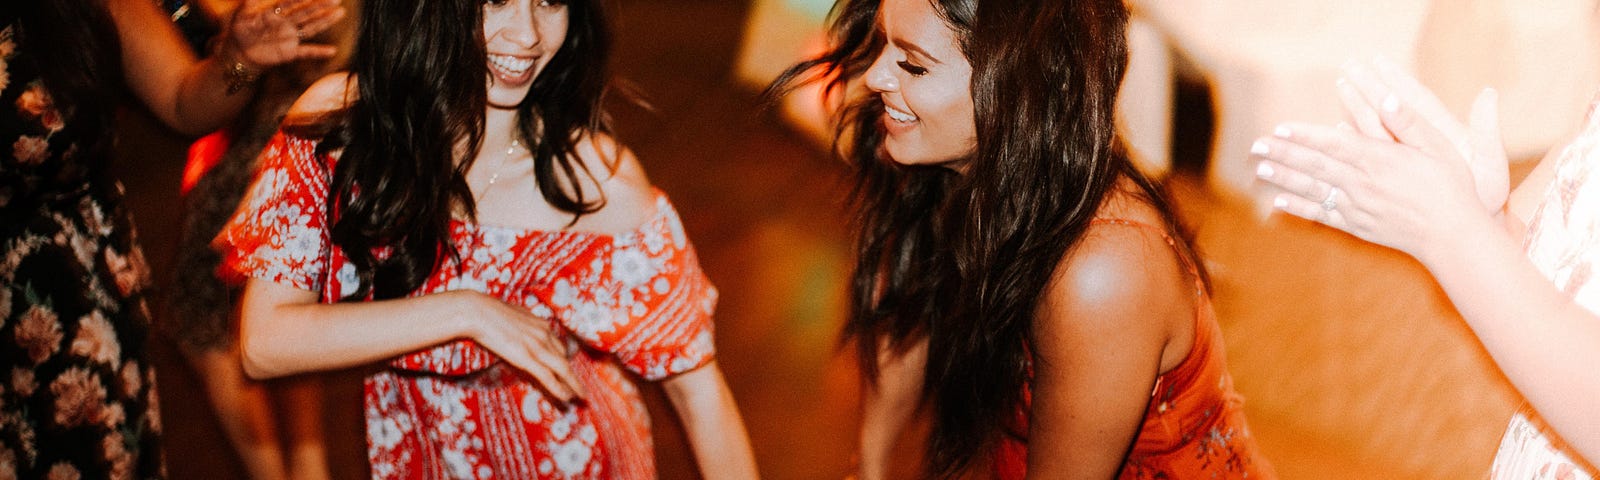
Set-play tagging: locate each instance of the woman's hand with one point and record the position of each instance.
(1363, 89)
(1402, 195)
(267, 33)
(525, 341)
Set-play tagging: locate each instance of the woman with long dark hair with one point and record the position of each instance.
(456, 211)
(79, 394)
(1016, 274)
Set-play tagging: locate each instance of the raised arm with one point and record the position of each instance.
(196, 96)
(712, 422)
(888, 404)
(1418, 196)
(1100, 338)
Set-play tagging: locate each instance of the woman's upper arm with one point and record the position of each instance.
(155, 58)
(1098, 341)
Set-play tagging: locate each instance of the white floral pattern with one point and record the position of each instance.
(635, 302)
(1564, 242)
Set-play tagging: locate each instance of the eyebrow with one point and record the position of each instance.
(905, 45)
(913, 48)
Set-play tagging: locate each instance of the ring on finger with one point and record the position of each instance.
(277, 10)
(1328, 203)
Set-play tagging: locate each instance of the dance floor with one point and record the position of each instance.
(1352, 363)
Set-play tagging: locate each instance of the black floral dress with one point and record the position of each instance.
(77, 393)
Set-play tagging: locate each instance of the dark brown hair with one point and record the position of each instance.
(962, 260)
(420, 69)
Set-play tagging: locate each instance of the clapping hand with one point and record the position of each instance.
(1401, 173)
(268, 33)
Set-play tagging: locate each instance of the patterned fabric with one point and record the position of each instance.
(77, 395)
(634, 304)
(1564, 242)
(1194, 426)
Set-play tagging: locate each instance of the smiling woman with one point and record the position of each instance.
(1015, 273)
(456, 214)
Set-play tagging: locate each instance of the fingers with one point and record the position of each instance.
(554, 374)
(321, 21)
(1418, 96)
(1359, 113)
(1313, 211)
(1402, 120)
(1329, 154)
(315, 52)
(1485, 123)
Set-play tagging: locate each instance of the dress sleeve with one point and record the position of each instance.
(653, 306)
(280, 231)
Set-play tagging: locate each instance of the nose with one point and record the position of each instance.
(522, 28)
(880, 76)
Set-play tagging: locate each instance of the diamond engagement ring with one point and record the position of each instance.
(1327, 203)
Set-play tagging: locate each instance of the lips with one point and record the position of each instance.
(898, 115)
(512, 70)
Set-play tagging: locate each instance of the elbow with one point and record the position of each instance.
(257, 360)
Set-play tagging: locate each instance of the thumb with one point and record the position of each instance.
(1485, 125)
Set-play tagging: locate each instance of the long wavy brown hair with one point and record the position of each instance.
(962, 259)
(420, 69)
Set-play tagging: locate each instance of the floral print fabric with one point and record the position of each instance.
(1563, 240)
(77, 397)
(631, 305)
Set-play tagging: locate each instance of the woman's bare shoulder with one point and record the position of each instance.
(329, 94)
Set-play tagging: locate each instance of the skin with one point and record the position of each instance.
(921, 75)
(1413, 187)
(1118, 312)
(191, 95)
(286, 331)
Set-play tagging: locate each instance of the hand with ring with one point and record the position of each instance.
(1402, 191)
(268, 33)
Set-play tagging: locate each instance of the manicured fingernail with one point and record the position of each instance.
(1282, 131)
(1391, 103)
(1263, 170)
(1259, 148)
(1279, 202)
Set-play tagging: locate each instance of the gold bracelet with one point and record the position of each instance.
(239, 76)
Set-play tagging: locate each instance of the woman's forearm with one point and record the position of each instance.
(284, 331)
(186, 93)
(712, 422)
(1544, 342)
(888, 404)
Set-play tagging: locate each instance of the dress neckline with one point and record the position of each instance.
(658, 209)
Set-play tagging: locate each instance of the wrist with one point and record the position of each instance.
(1466, 237)
(460, 310)
(238, 72)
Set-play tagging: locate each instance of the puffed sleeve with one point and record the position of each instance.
(280, 231)
(649, 305)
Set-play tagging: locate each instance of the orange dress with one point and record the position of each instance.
(1194, 426)
(634, 305)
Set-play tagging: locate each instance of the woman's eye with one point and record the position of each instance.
(911, 69)
(496, 3)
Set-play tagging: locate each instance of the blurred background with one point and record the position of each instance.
(1352, 362)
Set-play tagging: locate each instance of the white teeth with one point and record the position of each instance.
(512, 65)
(899, 116)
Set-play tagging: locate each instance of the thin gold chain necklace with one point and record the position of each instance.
(511, 150)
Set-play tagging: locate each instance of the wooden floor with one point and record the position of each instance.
(1352, 363)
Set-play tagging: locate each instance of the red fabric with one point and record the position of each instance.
(636, 302)
(204, 153)
(1194, 426)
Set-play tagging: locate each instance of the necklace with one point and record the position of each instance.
(496, 176)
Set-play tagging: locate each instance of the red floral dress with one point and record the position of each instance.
(637, 303)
